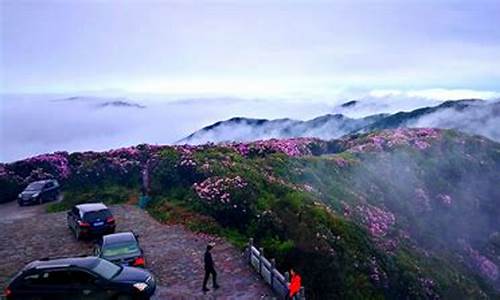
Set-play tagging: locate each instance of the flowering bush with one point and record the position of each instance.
(377, 275)
(445, 200)
(484, 265)
(290, 147)
(57, 162)
(420, 138)
(376, 219)
(218, 189)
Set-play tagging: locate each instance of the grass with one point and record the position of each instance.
(112, 194)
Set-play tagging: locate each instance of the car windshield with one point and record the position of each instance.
(120, 249)
(35, 186)
(91, 216)
(106, 269)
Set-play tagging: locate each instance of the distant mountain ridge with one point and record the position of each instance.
(246, 129)
(103, 102)
(474, 116)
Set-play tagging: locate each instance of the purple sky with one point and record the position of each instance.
(243, 48)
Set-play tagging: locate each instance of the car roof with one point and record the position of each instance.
(86, 207)
(83, 262)
(117, 238)
(43, 181)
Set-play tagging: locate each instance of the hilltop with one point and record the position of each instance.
(403, 213)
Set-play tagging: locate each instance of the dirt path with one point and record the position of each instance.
(173, 254)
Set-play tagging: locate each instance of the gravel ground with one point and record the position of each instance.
(173, 254)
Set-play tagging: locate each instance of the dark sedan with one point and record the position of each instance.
(80, 278)
(90, 219)
(39, 192)
(121, 248)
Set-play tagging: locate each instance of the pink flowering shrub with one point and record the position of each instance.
(186, 159)
(228, 199)
(484, 265)
(377, 274)
(376, 219)
(56, 162)
(419, 138)
(428, 286)
(290, 147)
(445, 200)
(340, 161)
(217, 189)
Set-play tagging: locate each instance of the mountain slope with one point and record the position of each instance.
(247, 129)
(470, 115)
(394, 214)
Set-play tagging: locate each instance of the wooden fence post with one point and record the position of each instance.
(261, 254)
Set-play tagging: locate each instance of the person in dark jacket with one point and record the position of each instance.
(209, 269)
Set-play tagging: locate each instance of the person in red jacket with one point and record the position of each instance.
(295, 284)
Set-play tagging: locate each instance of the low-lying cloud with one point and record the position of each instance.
(34, 124)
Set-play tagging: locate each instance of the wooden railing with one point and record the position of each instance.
(267, 270)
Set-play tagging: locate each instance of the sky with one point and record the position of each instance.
(303, 49)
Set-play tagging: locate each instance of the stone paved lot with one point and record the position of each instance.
(173, 254)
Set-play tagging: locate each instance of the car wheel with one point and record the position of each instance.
(20, 203)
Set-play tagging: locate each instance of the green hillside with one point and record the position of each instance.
(394, 214)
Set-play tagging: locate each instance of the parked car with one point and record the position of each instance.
(39, 192)
(80, 278)
(120, 248)
(90, 219)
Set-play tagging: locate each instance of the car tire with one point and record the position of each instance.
(20, 203)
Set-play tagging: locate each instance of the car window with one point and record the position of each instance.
(48, 185)
(81, 277)
(102, 214)
(34, 186)
(120, 249)
(106, 269)
(48, 278)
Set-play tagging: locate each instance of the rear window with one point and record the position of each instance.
(120, 249)
(35, 186)
(91, 216)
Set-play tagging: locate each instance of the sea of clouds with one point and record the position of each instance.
(34, 124)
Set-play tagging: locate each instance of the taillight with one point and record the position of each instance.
(139, 261)
(7, 292)
(83, 224)
(110, 220)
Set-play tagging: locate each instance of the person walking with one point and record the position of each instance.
(295, 284)
(209, 268)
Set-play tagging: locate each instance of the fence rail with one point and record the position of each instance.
(267, 270)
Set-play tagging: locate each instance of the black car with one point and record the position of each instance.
(120, 248)
(90, 219)
(39, 192)
(80, 278)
